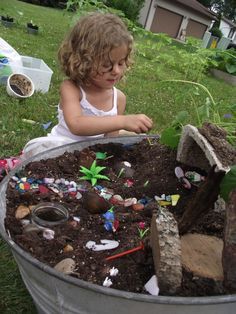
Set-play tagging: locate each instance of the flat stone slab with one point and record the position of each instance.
(202, 255)
(195, 150)
(166, 249)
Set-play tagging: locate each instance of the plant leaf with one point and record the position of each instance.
(170, 137)
(93, 181)
(180, 118)
(100, 176)
(228, 183)
(99, 169)
(85, 171)
(101, 155)
(84, 178)
(93, 167)
(231, 68)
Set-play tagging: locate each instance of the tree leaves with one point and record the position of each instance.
(228, 183)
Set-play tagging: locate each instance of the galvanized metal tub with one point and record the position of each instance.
(55, 293)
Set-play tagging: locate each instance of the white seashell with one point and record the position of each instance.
(76, 218)
(106, 245)
(127, 164)
(107, 282)
(48, 234)
(113, 271)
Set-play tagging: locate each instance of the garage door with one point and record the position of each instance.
(195, 29)
(166, 21)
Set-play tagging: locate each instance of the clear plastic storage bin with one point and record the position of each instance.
(38, 71)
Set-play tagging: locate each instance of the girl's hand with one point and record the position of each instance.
(138, 123)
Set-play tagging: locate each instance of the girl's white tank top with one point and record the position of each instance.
(62, 130)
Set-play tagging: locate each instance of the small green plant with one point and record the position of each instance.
(142, 230)
(31, 24)
(207, 112)
(93, 174)
(7, 18)
(228, 183)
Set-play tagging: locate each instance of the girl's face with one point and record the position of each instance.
(112, 69)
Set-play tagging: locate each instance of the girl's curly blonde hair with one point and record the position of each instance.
(89, 44)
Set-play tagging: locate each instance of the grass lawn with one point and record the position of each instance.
(146, 88)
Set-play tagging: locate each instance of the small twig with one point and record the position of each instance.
(149, 141)
(120, 173)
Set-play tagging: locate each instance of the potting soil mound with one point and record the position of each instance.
(150, 172)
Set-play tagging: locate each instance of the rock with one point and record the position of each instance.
(31, 228)
(22, 211)
(201, 255)
(94, 203)
(66, 266)
(68, 248)
(138, 206)
(166, 248)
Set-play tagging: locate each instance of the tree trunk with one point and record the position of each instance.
(229, 250)
(203, 201)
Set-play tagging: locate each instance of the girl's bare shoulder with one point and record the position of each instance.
(121, 101)
(120, 95)
(67, 87)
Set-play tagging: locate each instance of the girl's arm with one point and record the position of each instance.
(86, 125)
(121, 104)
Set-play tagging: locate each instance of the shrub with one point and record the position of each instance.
(226, 61)
(215, 31)
(131, 8)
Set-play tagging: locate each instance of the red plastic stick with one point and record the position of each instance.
(138, 248)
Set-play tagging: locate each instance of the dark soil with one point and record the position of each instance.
(153, 175)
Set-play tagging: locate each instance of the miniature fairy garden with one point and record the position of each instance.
(111, 214)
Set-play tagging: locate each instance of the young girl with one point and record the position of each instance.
(94, 56)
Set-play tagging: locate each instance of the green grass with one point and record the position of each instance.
(146, 92)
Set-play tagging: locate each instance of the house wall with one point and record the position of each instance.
(144, 12)
(148, 12)
(225, 29)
